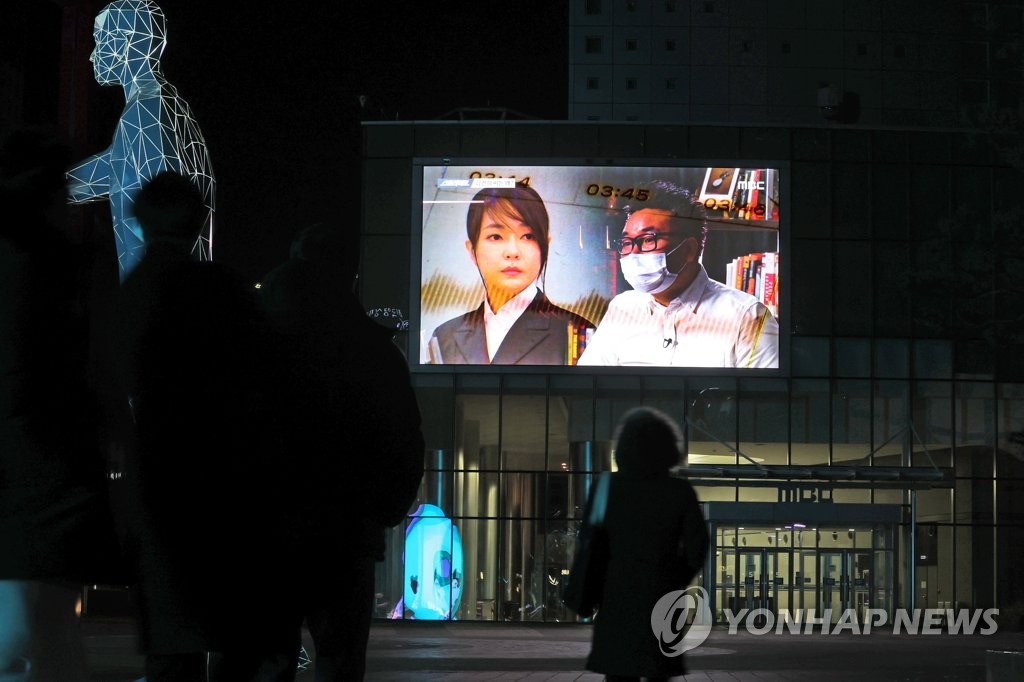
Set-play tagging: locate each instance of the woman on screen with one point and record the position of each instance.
(516, 324)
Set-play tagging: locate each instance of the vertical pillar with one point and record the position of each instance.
(911, 554)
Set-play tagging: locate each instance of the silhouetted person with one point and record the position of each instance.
(657, 541)
(156, 131)
(56, 530)
(355, 430)
(198, 471)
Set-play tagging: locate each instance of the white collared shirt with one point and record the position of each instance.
(497, 324)
(707, 325)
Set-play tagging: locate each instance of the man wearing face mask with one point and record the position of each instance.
(676, 315)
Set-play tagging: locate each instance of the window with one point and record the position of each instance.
(670, 83)
(631, 44)
(631, 5)
(631, 84)
(593, 45)
(670, 6)
(592, 7)
(670, 44)
(593, 83)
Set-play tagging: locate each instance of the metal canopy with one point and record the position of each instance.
(855, 474)
(904, 477)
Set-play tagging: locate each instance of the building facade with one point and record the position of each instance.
(880, 467)
(880, 62)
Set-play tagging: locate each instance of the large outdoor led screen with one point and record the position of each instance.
(600, 266)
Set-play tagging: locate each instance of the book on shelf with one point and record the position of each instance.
(758, 275)
(752, 200)
(770, 295)
(578, 336)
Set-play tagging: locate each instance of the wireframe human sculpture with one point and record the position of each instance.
(156, 130)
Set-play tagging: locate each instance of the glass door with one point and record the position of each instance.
(798, 572)
(835, 584)
(846, 582)
(860, 582)
(881, 580)
(725, 582)
(781, 579)
(759, 569)
(805, 583)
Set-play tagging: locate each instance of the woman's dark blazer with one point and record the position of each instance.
(539, 337)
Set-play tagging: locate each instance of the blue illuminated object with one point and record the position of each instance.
(433, 566)
(156, 131)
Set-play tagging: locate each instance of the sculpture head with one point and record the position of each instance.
(130, 36)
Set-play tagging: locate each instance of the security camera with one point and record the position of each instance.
(829, 100)
(837, 105)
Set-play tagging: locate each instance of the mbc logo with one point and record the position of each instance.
(681, 620)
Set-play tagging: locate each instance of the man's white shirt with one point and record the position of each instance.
(707, 325)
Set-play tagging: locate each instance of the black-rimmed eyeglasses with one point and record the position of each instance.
(642, 244)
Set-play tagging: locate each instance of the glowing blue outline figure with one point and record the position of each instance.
(433, 567)
(156, 131)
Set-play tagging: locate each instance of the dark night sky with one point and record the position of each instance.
(276, 93)
(275, 89)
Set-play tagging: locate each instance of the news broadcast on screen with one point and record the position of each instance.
(614, 265)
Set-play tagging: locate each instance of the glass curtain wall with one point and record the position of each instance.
(510, 460)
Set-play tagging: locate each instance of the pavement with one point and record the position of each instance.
(556, 652)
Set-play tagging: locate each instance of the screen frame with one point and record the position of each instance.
(416, 264)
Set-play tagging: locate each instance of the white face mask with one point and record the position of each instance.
(648, 272)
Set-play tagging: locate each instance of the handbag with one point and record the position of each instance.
(585, 584)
